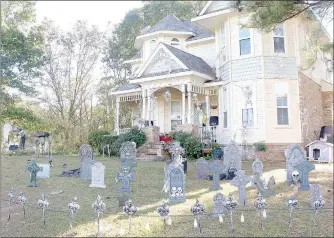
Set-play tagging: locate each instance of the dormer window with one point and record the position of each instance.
(175, 42)
(244, 41)
(152, 45)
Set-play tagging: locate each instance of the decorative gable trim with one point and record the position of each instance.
(207, 5)
(155, 54)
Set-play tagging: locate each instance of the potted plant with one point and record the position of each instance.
(260, 148)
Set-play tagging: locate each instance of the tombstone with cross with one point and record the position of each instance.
(128, 154)
(241, 180)
(304, 168)
(33, 168)
(216, 168)
(218, 205)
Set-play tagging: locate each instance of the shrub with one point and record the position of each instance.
(135, 134)
(260, 146)
(181, 136)
(95, 138)
(193, 148)
(107, 140)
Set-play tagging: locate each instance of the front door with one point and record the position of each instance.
(175, 114)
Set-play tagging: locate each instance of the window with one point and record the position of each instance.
(152, 45)
(282, 103)
(175, 42)
(278, 34)
(244, 41)
(175, 114)
(247, 117)
(225, 107)
(223, 44)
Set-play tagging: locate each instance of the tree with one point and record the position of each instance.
(67, 76)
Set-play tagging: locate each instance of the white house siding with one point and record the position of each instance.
(276, 133)
(280, 67)
(204, 50)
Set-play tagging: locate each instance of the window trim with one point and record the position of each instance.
(251, 54)
(225, 109)
(242, 115)
(170, 119)
(175, 43)
(288, 105)
(222, 48)
(285, 41)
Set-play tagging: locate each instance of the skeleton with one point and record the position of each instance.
(295, 176)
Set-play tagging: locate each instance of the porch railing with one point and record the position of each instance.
(124, 130)
(208, 135)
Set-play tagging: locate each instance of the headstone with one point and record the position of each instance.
(304, 168)
(265, 189)
(45, 172)
(128, 154)
(241, 180)
(315, 193)
(202, 169)
(126, 178)
(218, 205)
(232, 157)
(257, 166)
(177, 185)
(98, 175)
(216, 168)
(33, 168)
(86, 161)
(295, 155)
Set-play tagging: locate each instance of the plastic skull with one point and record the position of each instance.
(179, 191)
(295, 176)
(173, 191)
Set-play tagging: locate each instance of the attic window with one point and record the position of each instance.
(175, 42)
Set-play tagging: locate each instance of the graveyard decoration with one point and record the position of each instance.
(22, 200)
(315, 193)
(129, 210)
(43, 204)
(163, 211)
(265, 188)
(216, 168)
(11, 200)
(260, 205)
(42, 139)
(125, 186)
(86, 161)
(44, 172)
(217, 153)
(304, 168)
(295, 155)
(128, 154)
(318, 204)
(257, 166)
(241, 180)
(232, 157)
(218, 206)
(295, 177)
(33, 168)
(98, 206)
(75, 173)
(73, 207)
(177, 185)
(230, 205)
(231, 173)
(98, 176)
(198, 210)
(291, 204)
(177, 152)
(202, 169)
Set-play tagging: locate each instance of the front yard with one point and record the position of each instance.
(147, 196)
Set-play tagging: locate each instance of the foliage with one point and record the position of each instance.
(135, 134)
(107, 140)
(95, 138)
(260, 146)
(192, 146)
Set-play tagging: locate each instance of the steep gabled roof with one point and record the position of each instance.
(191, 61)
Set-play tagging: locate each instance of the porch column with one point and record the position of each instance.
(207, 101)
(117, 116)
(189, 103)
(143, 114)
(183, 90)
(149, 105)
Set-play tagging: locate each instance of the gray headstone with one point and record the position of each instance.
(86, 161)
(45, 172)
(315, 193)
(218, 205)
(128, 154)
(177, 186)
(216, 168)
(257, 166)
(125, 178)
(241, 180)
(295, 155)
(98, 175)
(232, 157)
(202, 169)
(304, 168)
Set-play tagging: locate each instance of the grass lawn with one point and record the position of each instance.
(147, 195)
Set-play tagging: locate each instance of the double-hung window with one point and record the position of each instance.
(225, 108)
(244, 41)
(278, 34)
(282, 103)
(222, 44)
(247, 117)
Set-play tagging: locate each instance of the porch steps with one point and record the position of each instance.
(150, 151)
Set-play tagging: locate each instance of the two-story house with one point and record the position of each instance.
(251, 85)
